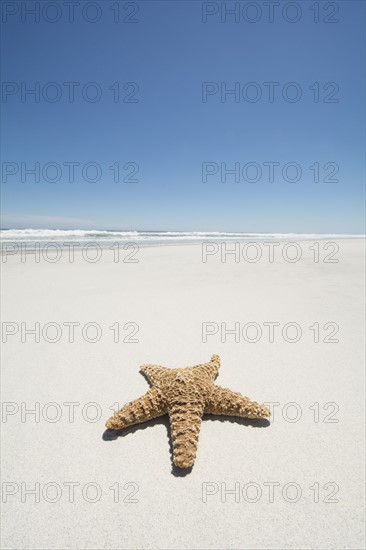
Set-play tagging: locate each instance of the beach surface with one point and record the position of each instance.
(288, 324)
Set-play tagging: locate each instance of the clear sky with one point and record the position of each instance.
(176, 123)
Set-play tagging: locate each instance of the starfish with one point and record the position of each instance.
(185, 394)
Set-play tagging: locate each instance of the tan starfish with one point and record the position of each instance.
(185, 395)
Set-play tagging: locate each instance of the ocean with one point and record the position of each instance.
(104, 238)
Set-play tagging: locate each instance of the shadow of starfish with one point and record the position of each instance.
(111, 435)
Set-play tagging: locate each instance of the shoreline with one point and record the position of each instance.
(23, 246)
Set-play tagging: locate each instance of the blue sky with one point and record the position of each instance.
(169, 132)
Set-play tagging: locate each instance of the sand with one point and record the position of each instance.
(296, 483)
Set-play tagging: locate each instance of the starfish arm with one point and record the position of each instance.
(226, 402)
(149, 406)
(153, 373)
(211, 368)
(185, 423)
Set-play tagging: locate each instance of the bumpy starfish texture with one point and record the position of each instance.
(185, 395)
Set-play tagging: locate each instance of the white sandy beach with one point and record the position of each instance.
(295, 484)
